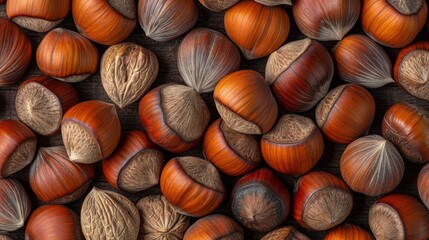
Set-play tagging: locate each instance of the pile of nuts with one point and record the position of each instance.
(261, 124)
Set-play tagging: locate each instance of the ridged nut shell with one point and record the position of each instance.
(15, 205)
(205, 56)
(55, 179)
(411, 70)
(233, 153)
(164, 20)
(38, 15)
(109, 215)
(256, 29)
(67, 56)
(136, 163)
(407, 127)
(174, 116)
(406, 19)
(18, 147)
(285, 233)
(91, 131)
(293, 146)
(159, 220)
(192, 185)
(362, 61)
(423, 185)
(346, 113)
(15, 53)
(214, 227)
(218, 5)
(274, 2)
(399, 216)
(50, 222)
(260, 201)
(245, 102)
(106, 22)
(41, 102)
(326, 20)
(5, 237)
(300, 73)
(321, 201)
(348, 232)
(371, 165)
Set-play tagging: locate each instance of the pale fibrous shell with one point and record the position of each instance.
(218, 5)
(159, 220)
(5, 237)
(206, 56)
(164, 20)
(362, 61)
(127, 71)
(326, 20)
(274, 2)
(371, 165)
(109, 215)
(15, 205)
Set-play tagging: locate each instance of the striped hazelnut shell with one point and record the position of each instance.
(205, 56)
(91, 131)
(285, 233)
(165, 20)
(192, 185)
(407, 127)
(405, 20)
(274, 2)
(321, 201)
(411, 70)
(348, 232)
(233, 153)
(17, 147)
(55, 179)
(41, 102)
(15, 53)
(371, 165)
(44, 224)
(300, 73)
(15, 205)
(293, 146)
(346, 113)
(215, 226)
(67, 56)
(218, 5)
(245, 102)
(105, 22)
(260, 201)
(136, 163)
(256, 29)
(362, 61)
(423, 185)
(326, 20)
(399, 216)
(174, 116)
(38, 15)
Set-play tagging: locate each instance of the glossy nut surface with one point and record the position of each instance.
(214, 227)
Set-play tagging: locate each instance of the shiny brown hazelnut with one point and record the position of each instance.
(215, 227)
(285, 233)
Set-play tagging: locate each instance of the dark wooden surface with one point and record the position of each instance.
(167, 53)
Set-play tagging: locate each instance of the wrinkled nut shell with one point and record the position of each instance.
(109, 215)
(127, 71)
(218, 5)
(15, 205)
(159, 220)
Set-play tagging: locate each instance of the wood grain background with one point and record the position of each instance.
(167, 54)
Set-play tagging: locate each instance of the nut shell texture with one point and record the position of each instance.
(285, 233)
(38, 15)
(109, 215)
(218, 5)
(245, 103)
(127, 71)
(192, 185)
(411, 70)
(256, 29)
(67, 56)
(106, 22)
(371, 165)
(159, 220)
(423, 185)
(50, 222)
(274, 2)
(206, 56)
(214, 227)
(15, 53)
(164, 20)
(15, 205)
(348, 232)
